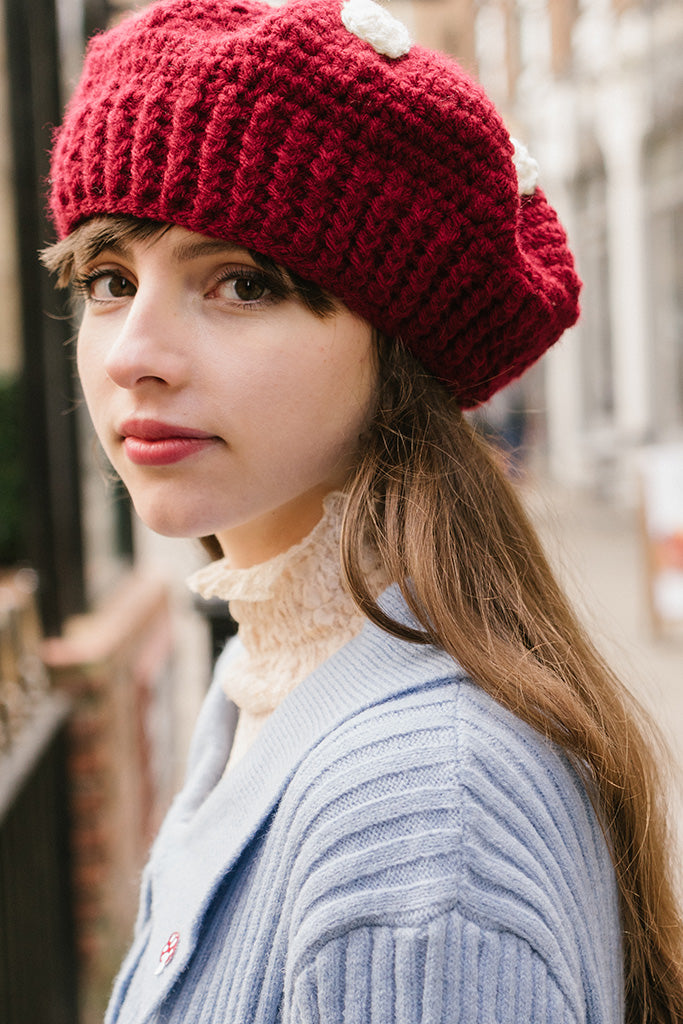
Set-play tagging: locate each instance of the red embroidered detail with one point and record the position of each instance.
(168, 952)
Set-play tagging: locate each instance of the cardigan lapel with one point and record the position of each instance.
(216, 815)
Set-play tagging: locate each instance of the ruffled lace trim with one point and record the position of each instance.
(265, 580)
(293, 613)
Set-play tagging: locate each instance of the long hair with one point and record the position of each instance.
(448, 527)
(431, 498)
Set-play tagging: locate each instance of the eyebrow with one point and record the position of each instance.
(102, 240)
(69, 256)
(193, 249)
(98, 243)
(101, 236)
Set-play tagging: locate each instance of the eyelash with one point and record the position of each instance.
(83, 283)
(275, 290)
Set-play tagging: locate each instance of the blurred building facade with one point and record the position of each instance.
(595, 89)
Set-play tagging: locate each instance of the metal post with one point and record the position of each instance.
(49, 425)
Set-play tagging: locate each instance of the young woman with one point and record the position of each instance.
(305, 245)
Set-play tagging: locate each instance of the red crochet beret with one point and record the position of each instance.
(316, 134)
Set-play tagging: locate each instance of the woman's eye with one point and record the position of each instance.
(244, 288)
(105, 287)
(248, 289)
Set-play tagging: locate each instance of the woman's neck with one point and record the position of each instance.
(275, 531)
(293, 612)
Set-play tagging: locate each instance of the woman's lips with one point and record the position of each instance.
(152, 443)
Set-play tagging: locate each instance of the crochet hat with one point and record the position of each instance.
(317, 134)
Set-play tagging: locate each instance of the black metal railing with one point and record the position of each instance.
(38, 979)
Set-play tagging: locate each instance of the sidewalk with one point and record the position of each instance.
(596, 550)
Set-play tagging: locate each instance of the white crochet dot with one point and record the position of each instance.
(526, 167)
(374, 25)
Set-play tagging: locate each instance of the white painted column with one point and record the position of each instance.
(563, 417)
(551, 111)
(620, 125)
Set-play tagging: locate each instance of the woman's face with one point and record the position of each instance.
(223, 402)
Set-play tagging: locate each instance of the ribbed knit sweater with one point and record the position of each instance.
(393, 848)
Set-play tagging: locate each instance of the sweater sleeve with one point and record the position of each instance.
(451, 972)
(452, 869)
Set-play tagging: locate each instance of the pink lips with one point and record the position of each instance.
(151, 443)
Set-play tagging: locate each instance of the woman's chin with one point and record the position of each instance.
(173, 523)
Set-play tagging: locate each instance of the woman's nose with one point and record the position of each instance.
(149, 344)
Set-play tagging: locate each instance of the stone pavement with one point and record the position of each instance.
(597, 550)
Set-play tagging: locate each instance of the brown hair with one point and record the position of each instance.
(67, 257)
(431, 496)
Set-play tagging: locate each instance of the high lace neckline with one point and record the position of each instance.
(293, 612)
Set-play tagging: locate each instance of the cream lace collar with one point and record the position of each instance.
(293, 612)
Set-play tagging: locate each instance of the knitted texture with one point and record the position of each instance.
(394, 847)
(293, 613)
(388, 181)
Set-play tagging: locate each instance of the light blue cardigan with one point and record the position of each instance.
(394, 849)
